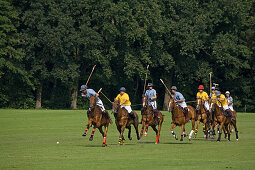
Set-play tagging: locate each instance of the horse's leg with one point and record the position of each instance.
(146, 129)
(136, 130)
(204, 129)
(159, 130)
(172, 131)
(193, 121)
(129, 133)
(234, 124)
(101, 131)
(86, 130)
(198, 121)
(121, 133)
(228, 131)
(92, 134)
(143, 124)
(156, 131)
(220, 130)
(183, 128)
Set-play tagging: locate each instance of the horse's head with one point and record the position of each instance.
(145, 100)
(199, 104)
(92, 101)
(115, 106)
(171, 104)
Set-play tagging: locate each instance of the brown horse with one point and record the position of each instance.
(202, 117)
(178, 118)
(123, 120)
(221, 119)
(98, 119)
(149, 119)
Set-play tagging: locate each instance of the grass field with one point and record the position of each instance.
(28, 141)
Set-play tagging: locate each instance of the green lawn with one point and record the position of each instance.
(28, 141)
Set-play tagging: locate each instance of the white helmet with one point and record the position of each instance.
(227, 92)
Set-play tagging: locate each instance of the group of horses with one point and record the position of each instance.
(155, 118)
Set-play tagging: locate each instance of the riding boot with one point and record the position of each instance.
(186, 114)
(132, 116)
(155, 113)
(107, 116)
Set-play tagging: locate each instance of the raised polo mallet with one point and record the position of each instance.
(144, 87)
(166, 88)
(99, 90)
(90, 74)
(106, 97)
(210, 82)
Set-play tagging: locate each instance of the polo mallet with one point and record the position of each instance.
(99, 90)
(106, 97)
(210, 82)
(166, 88)
(144, 87)
(90, 74)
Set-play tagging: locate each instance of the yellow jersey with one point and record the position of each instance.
(203, 96)
(220, 102)
(121, 98)
(214, 98)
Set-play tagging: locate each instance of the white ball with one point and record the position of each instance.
(57, 142)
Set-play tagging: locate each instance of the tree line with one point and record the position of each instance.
(48, 48)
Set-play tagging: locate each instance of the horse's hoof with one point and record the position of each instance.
(218, 140)
(189, 138)
(156, 142)
(145, 134)
(131, 138)
(103, 145)
(176, 138)
(181, 139)
(237, 139)
(91, 138)
(84, 134)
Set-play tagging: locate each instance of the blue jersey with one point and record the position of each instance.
(91, 92)
(179, 96)
(150, 94)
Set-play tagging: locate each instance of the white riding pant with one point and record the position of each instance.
(224, 107)
(153, 104)
(101, 105)
(127, 107)
(182, 104)
(206, 105)
(231, 108)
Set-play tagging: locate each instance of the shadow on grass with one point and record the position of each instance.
(177, 143)
(100, 146)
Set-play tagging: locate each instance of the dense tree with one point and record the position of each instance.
(182, 41)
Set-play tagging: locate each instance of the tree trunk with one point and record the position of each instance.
(38, 104)
(74, 97)
(168, 82)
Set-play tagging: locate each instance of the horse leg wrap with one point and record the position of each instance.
(195, 131)
(141, 132)
(228, 137)
(123, 141)
(173, 133)
(93, 131)
(191, 133)
(120, 139)
(237, 135)
(104, 140)
(157, 140)
(203, 128)
(219, 137)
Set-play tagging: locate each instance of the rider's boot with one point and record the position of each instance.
(186, 113)
(107, 116)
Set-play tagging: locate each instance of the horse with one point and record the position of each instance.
(178, 118)
(149, 119)
(202, 117)
(97, 119)
(222, 119)
(123, 120)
